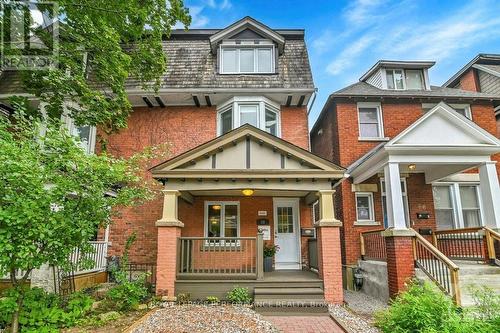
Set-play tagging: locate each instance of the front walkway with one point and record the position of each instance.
(304, 324)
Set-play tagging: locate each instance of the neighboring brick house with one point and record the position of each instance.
(410, 150)
(481, 74)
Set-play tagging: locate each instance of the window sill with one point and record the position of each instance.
(373, 139)
(366, 223)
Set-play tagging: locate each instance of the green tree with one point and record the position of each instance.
(52, 195)
(102, 43)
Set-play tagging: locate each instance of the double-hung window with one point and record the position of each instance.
(457, 205)
(401, 79)
(222, 219)
(86, 134)
(364, 207)
(370, 121)
(247, 59)
(256, 111)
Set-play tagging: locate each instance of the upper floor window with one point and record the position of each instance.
(246, 59)
(256, 111)
(86, 134)
(370, 121)
(400, 79)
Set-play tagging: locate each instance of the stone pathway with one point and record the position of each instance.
(304, 324)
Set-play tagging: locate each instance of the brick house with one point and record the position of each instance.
(481, 74)
(233, 110)
(412, 153)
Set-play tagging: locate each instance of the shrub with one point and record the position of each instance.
(270, 250)
(183, 298)
(239, 295)
(424, 308)
(212, 299)
(44, 312)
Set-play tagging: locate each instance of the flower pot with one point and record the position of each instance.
(268, 264)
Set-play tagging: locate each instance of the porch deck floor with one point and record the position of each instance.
(290, 276)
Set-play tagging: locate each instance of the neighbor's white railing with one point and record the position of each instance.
(98, 258)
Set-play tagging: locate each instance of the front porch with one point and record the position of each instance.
(226, 199)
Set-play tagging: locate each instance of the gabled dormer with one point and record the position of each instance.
(399, 75)
(247, 47)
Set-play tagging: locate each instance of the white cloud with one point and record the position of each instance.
(226, 4)
(197, 19)
(362, 11)
(345, 59)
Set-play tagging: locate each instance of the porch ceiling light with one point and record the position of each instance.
(247, 192)
(412, 167)
(216, 207)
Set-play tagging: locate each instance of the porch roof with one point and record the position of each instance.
(248, 157)
(440, 144)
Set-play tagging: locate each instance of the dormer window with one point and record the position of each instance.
(401, 79)
(247, 57)
(256, 111)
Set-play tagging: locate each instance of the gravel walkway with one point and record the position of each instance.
(205, 318)
(357, 314)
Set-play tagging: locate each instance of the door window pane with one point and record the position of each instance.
(414, 79)
(271, 122)
(230, 221)
(214, 220)
(247, 60)
(285, 220)
(248, 115)
(443, 206)
(264, 60)
(226, 121)
(229, 60)
(470, 206)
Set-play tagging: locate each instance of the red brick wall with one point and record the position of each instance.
(181, 128)
(400, 266)
(470, 81)
(342, 123)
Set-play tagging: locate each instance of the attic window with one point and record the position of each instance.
(401, 79)
(256, 111)
(240, 58)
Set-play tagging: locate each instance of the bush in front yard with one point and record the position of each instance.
(44, 312)
(239, 295)
(425, 309)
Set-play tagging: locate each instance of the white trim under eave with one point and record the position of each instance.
(486, 70)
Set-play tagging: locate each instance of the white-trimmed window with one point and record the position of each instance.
(247, 58)
(86, 134)
(402, 79)
(370, 121)
(256, 111)
(457, 205)
(463, 109)
(222, 219)
(404, 193)
(364, 207)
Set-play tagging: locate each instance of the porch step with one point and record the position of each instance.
(472, 274)
(287, 299)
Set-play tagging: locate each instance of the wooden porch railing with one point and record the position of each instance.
(493, 245)
(461, 244)
(373, 246)
(437, 266)
(97, 257)
(220, 257)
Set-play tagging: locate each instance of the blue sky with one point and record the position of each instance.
(345, 38)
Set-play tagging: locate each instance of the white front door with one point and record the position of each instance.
(287, 233)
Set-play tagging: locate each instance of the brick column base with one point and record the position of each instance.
(400, 262)
(166, 262)
(330, 263)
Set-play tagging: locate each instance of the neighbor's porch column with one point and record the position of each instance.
(398, 238)
(490, 194)
(329, 255)
(169, 230)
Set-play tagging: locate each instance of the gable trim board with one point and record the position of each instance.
(247, 152)
(486, 69)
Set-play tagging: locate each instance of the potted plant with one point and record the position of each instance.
(269, 252)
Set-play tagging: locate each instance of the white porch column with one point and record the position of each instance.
(170, 214)
(394, 196)
(490, 194)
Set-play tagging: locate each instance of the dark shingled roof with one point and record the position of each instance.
(363, 89)
(191, 64)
